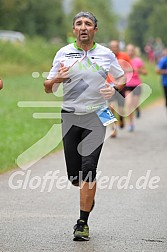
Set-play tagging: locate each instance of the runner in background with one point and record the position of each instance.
(125, 63)
(149, 50)
(133, 84)
(70, 38)
(138, 54)
(162, 69)
(158, 49)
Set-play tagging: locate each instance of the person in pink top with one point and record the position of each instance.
(134, 84)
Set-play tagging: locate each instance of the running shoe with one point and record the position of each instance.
(131, 128)
(81, 231)
(137, 112)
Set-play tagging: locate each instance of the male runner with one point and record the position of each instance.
(82, 67)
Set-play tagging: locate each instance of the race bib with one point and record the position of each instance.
(106, 116)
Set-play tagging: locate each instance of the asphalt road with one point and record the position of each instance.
(131, 201)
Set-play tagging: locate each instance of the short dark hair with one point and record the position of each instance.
(85, 14)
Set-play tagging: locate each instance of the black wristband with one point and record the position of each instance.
(116, 88)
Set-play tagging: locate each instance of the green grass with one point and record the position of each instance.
(35, 54)
(19, 130)
(154, 81)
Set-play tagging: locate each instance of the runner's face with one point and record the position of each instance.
(114, 46)
(84, 29)
(130, 50)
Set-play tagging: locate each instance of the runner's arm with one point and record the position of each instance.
(53, 84)
(120, 82)
(161, 71)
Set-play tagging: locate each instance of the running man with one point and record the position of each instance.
(84, 93)
(133, 84)
(162, 69)
(125, 63)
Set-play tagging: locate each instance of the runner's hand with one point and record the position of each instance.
(62, 74)
(108, 91)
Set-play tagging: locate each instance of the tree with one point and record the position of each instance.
(157, 27)
(143, 19)
(45, 18)
(138, 23)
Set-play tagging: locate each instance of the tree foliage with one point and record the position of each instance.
(31, 17)
(49, 19)
(147, 19)
(157, 26)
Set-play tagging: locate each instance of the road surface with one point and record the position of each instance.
(131, 201)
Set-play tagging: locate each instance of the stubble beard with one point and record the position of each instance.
(84, 40)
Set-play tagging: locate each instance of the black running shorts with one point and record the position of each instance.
(83, 137)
